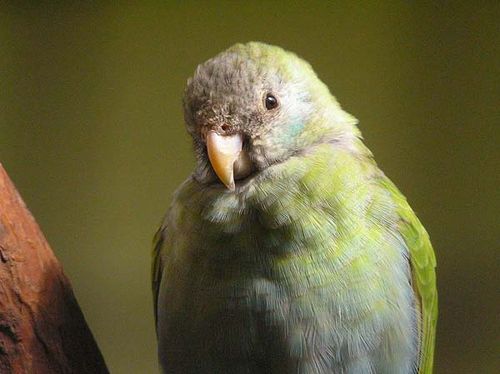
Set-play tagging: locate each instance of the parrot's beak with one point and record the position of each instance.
(223, 152)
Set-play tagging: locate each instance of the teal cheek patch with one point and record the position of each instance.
(294, 130)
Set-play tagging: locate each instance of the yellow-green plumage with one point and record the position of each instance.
(423, 264)
(314, 264)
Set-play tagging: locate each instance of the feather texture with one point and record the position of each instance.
(315, 263)
(310, 260)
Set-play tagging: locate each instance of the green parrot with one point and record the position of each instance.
(287, 250)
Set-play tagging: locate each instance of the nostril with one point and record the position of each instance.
(225, 128)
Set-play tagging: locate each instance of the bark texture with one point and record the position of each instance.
(42, 329)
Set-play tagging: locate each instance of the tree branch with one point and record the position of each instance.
(42, 329)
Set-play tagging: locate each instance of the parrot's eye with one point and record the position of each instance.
(270, 101)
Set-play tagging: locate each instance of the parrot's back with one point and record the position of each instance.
(304, 269)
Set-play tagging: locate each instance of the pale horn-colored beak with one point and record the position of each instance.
(223, 151)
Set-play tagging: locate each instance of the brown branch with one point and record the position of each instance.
(42, 329)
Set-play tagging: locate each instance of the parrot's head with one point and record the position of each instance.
(255, 105)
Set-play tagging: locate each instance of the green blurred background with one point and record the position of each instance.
(91, 132)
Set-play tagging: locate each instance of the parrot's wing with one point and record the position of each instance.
(423, 267)
(423, 264)
(157, 267)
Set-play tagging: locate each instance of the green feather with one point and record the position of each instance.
(423, 265)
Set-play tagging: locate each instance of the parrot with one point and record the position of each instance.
(287, 250)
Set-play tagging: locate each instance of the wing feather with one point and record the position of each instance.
(423, 267)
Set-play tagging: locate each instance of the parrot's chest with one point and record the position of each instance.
(297, 281)
(286, 294)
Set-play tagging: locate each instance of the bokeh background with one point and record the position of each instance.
(91, 132)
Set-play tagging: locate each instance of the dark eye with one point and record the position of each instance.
(270, 101)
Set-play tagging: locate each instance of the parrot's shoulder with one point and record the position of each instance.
(390, 209)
